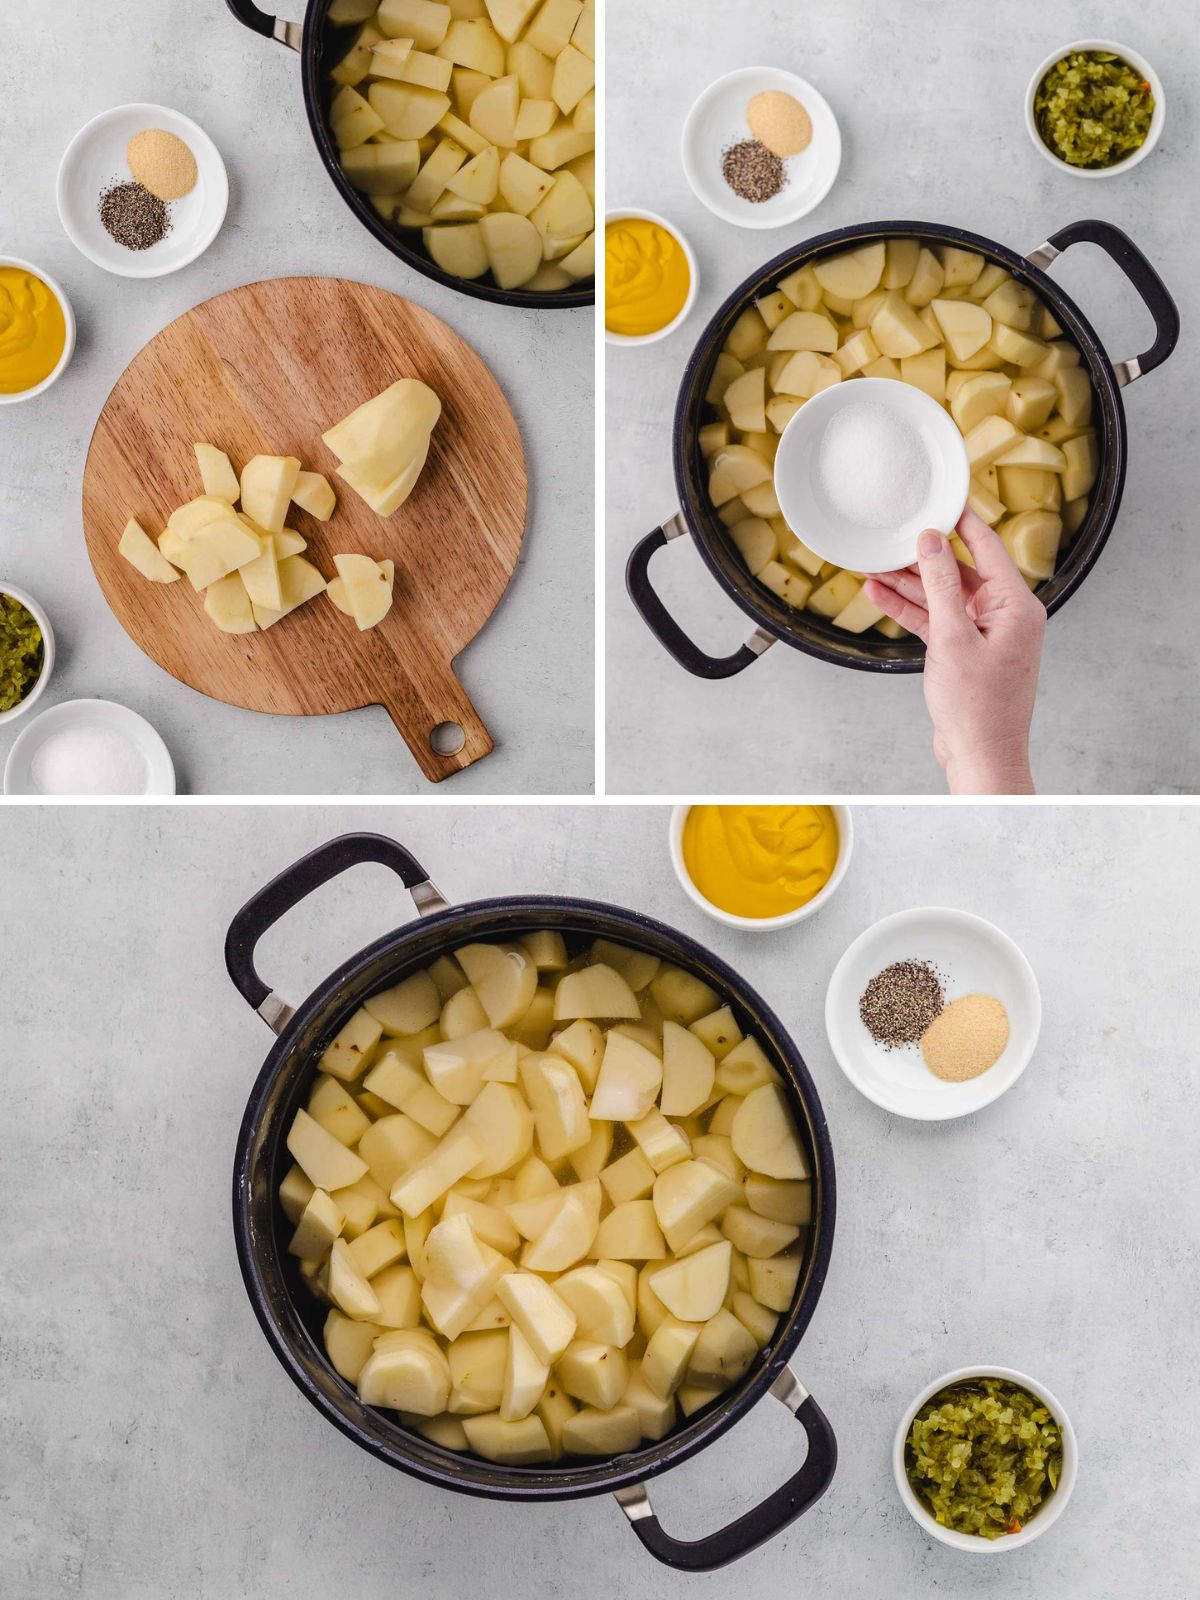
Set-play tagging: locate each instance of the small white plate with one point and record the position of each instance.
(95, 158)
(1047, 1514)
(804, 503)
(43, 622)
(976, 958)
(1157, 118)
(160, 770)
(718, 119)
(620, 215)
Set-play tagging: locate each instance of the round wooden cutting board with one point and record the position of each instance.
(265, 370)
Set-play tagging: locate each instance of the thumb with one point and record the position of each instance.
(943, 586)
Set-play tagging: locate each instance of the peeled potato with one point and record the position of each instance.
(628, 1083)
(764, 1135)
(693, 1289)
(853, 275)
(413, 1378)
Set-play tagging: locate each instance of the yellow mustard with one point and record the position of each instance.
(646, 277)
(33, 330)
(760, 861)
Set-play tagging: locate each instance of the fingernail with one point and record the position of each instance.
(929, 543)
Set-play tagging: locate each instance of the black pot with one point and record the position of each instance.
(291, 1318)
(321, 45)
(802, 629)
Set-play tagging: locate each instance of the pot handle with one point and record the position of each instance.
(663, 625)
(251, 16)
(774, 1514)
(292, 885)
(1141, 275)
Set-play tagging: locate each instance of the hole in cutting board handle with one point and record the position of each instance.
(447, 739)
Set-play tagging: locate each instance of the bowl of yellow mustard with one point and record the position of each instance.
(37, 330)
(760, 867)
(650, 277)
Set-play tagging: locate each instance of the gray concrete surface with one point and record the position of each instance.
(929, 96)
(154, 1450)
(530, 672)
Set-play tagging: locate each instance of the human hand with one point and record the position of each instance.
(983, 631)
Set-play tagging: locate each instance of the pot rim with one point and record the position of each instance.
(536, 300)
(608, 1474)
(746, 592)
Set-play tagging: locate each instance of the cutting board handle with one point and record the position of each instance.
(438, 723)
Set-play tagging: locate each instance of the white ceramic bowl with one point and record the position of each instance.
(620, 215)
(976, 958)
(803, 500)
(1135, 59)
(160, 770)
(1046, 1515)
(64, 361)
(43, 622)
(845, 827)
(718, 119)
(95, 158)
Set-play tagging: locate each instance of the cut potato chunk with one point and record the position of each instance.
(805, 330)
(926, 281)
(690, 1194)
(773, 1281)
(898, 330)
(266, 489)
(723, 1353)
(630, 1232)
(694, 1288)
(525, 1378)
(217, 474)
(603, 1312)
(1032, 539)
(594, 1373)
(854, 274)
(629, 1081)
(514, 248)
(317, 1228)
(556, 1098)
(325, 1162)
(764, 1135)
(547, 1321)
(504, 979)
(348, 1288)
(602, 1431)
(966, 326)
(596, 991)
(299, 582)
(428, 1181)
(413, 1378)
(263, 584)
(513, 1444)
(1081, 466)
(689, 1067)
(406, 110)
(141, 552)
(566, 1239)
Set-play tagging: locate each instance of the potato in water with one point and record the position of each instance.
(554, 1200)
(474, 126)
(952, 323)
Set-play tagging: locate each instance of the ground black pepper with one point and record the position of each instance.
(133, 216)
(752, 171)
(900, 1002)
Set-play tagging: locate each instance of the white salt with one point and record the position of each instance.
(873, 467)
(82, 760)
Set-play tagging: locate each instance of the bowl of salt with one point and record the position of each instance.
(864, 467)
